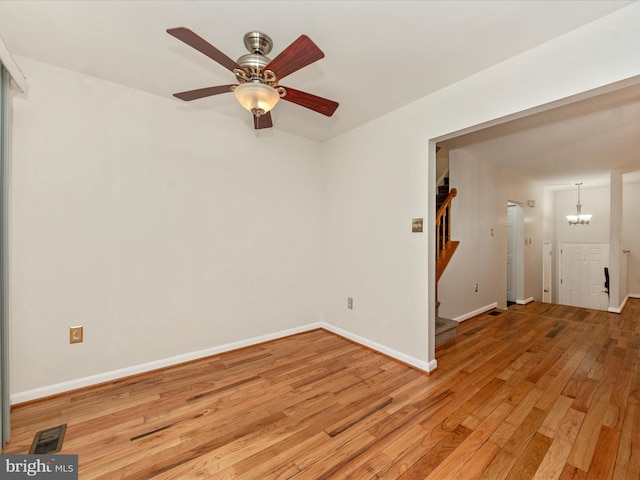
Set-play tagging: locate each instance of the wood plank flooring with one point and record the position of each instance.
(538, 391)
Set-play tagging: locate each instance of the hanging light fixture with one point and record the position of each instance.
(258, 98)
(579, 218)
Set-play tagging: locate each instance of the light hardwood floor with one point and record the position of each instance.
(539, 391)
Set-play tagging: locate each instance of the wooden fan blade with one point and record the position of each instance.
(202, 92)
(312, 102)
(299, 54)
(263, 121)
(194, 40)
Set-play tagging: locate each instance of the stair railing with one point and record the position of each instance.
(443, 225)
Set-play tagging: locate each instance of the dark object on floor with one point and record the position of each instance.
(49, 440)
(495, 313)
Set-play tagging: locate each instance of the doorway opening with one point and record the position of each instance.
(515, 254)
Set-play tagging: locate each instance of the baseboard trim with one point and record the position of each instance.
(55, 389)
(49, 390)
(409, 360)
(525, 301)
(624, 302)
(475, 313)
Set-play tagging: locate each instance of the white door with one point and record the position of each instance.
(546, 273)
(597, 259)
(582, 275)
(572, 276)
(511, 291)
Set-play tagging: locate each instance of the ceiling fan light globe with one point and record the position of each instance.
(256, 97)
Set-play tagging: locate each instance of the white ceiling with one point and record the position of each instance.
(373, 51)
(579, 142)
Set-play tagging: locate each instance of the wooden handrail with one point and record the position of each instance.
(443, 224)
(446, 203)
(445, 247)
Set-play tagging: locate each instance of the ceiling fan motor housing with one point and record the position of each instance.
(258, 42)
(253, 64)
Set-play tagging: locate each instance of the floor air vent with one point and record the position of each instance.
(49, 440)
(495, 313)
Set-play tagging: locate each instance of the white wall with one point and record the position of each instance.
(549, 214)
(162, 230)
(597, 201)
(631, 233)
(480, 224)
(379, 176)
(594, 200)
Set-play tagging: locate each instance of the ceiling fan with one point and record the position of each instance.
(258, 89)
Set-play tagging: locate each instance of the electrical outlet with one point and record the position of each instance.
(350, 303)
(75, 334)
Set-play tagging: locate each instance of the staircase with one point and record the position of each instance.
(446, 329)
(445, 248)
(443, 192)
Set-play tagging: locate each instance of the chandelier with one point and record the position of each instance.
(579, 218)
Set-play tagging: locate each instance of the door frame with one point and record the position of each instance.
(5, 427)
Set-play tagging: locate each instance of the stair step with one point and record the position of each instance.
(445, 329)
